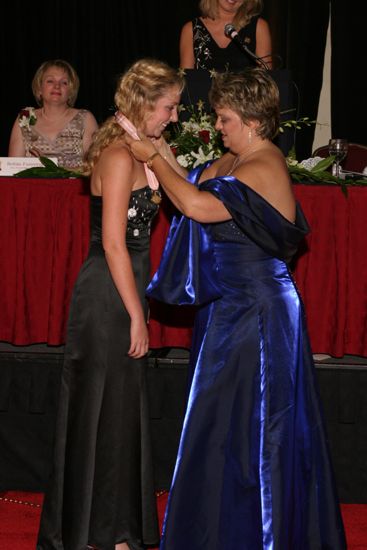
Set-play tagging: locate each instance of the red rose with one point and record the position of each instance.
(174, 150)
(24, 112)
(204, 135)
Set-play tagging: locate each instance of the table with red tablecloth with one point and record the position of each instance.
(331, 268)
(44, 238)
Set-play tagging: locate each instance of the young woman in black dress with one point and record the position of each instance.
(101, 492)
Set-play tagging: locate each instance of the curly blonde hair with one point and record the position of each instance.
(137, 92)
(247, 10)
(252, 94)
(60, 64)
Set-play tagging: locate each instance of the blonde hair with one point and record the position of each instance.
(252, 94)
(60, 64)
(247, 10)
(137, 92)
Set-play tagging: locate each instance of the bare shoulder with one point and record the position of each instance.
(89, 115)
(116, 156)
(267, 174)
(115, 163)
(89, 118)
(16, 127)
(186, 31)
(187, 57)
(265, 171)
(113, 170)
(186, 35)
(262, 25)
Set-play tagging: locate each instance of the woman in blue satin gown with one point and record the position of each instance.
(253, 470)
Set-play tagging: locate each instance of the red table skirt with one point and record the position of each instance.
(44, 238)
(331, 269)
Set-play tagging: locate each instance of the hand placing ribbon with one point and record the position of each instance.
(129, 127)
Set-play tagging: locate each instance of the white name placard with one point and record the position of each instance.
(11, 165)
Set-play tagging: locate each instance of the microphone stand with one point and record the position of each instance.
(230, 32)
(258, 60)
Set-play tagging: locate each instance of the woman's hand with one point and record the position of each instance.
(161, 145)
(141, 149)
(139, 338)
(145, 148)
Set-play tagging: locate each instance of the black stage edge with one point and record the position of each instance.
(29, 384)
(343, 387)
(29, 387)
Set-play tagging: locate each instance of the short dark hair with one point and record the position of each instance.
(252, 94)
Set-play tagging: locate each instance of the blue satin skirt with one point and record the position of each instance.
(253, 470)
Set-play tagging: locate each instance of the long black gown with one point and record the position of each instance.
(253, 470)
(101, 490)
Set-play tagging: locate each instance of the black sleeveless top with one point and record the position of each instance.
(208, 55)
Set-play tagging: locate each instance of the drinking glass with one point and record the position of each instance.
(339, 149)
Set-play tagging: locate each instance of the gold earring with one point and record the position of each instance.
(250, 136)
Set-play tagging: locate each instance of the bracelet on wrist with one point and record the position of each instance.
(149, 160)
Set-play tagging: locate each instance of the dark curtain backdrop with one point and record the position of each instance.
(299, 31)
(348, 64)
(102, 38)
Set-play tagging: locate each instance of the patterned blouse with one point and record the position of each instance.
(67, 146)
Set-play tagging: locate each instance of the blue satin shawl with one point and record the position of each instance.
(187, 273)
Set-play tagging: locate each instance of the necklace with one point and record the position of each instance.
(240, 159)
(235, 163)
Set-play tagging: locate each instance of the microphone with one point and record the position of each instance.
(230, 32)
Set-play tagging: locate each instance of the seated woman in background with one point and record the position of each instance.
(56, 128)
(204, 45)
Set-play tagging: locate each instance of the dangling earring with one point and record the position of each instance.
(250, 136)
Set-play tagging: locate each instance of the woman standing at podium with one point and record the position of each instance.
(204, 45)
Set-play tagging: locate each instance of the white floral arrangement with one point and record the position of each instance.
(27, 117)
(195, 140)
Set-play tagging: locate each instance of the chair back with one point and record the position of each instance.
(355, 161)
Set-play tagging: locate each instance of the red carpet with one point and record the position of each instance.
(20, 514)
